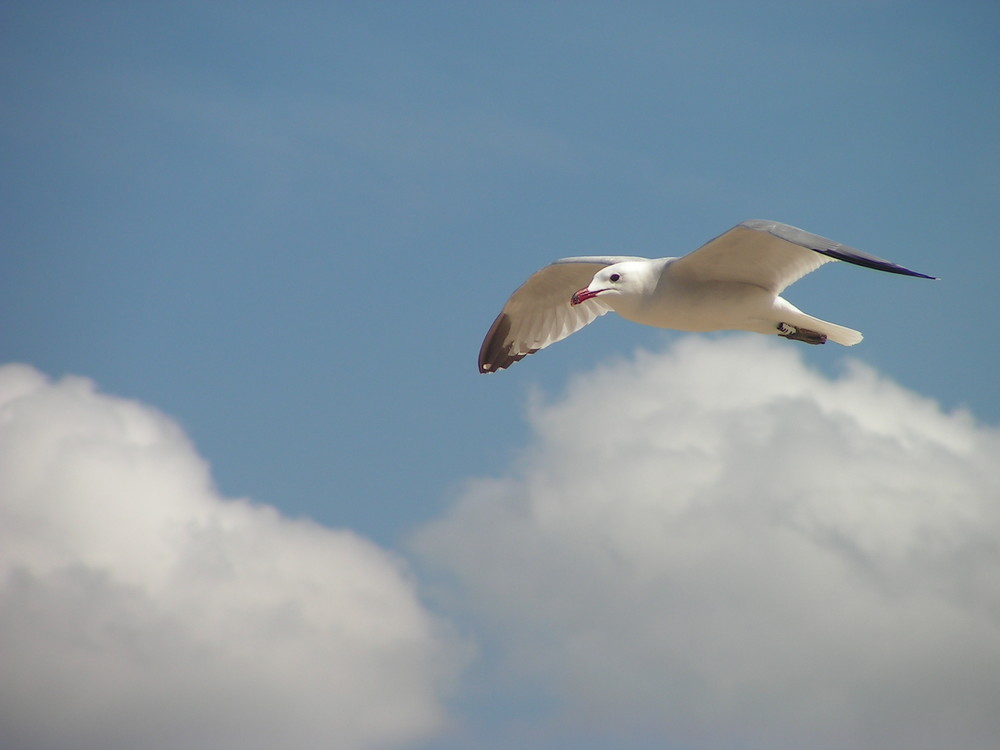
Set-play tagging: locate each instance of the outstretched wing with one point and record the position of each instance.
(771, 255)
(539, 312)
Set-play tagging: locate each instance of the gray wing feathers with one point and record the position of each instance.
(599, 261)
(539, 312)
(830, 248)
(748, 255)
(771, 255)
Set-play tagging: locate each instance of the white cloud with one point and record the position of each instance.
(138, 609)
(720, 547)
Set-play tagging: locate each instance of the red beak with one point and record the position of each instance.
(582, 296)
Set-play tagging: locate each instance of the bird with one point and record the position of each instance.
(732, 282)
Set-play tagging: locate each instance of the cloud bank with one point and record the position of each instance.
(713, 547)
(719, 547)
(139, 609)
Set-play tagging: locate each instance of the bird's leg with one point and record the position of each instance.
(800, 334)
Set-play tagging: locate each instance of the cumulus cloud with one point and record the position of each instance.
(720, 547)
(139, 609)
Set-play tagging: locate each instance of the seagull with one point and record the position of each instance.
(731, 283)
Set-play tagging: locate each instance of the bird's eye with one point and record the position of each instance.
(615, 276)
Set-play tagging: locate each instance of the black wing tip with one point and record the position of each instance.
(876, 263)
(832, 249)
(501, 362)
(495, 354)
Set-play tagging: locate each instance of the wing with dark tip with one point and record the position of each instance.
(771, 255)
(539, 312)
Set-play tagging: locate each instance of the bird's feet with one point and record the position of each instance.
(800, 334)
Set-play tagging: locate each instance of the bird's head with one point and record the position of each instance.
(614, 282)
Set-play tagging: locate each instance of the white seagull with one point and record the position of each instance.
(731, 283)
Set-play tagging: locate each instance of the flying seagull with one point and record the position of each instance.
(730, 283)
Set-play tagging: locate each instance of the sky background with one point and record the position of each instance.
(255, 492)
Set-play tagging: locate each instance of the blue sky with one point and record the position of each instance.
(287, 228)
